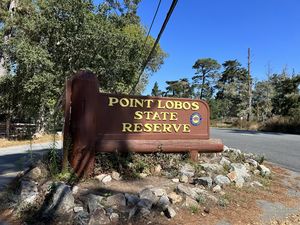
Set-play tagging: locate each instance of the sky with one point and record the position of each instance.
(224, 30)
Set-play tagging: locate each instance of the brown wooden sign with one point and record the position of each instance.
(107, 122)
(151, 118)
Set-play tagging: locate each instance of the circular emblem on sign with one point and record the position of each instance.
(195, 119)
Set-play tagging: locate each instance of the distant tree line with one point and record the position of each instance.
(225, 88)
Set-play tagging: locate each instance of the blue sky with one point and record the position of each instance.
(224, 30)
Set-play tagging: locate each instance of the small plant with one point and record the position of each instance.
(198, 168)
(226, 168)
(67, 177)
(260, 158)
(201, 199)
(265, 181)
(194, 209)
(223, 201)
(53, 158)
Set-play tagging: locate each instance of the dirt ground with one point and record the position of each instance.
(276, 203)
(45, 138)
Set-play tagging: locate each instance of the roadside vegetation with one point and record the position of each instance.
(274, 103)
(44, 42)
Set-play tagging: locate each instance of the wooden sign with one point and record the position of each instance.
(152, 118)
(107, 122)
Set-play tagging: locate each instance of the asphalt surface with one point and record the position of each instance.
(16, 159)
(278, 148)
(281, 149)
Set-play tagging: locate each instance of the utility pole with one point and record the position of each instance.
(249, 88)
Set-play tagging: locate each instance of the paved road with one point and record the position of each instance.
(15, 159)
(282, 149)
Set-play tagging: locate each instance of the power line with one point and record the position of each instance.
(172, 7)
(152, 22)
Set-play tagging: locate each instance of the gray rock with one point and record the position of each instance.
(131, 199)
(100, 177)
(145, 203)
(174, 198)
(157, 169)
(75, 190)
(189, 202)
(205, 181)
(256, 172)
(184, 178)
(81, 218)
(149, 195)
(221, 180)
(106, 179)
(99, 217)
(224, 161)
(217, 188)
(163, 202)
(211, 167)
(28, 192)
(144, 211)
(204, 194)
(175, 180)
(158, 192)
(34, 174)
(117, 200)
(132, 212)
(78, 209)
(45, 188)
(226, 149)
(187, 191)
(62, 201)
(264, 171)
(211, 198)
(252, 162)
(115, 175)
(93, 202)
(170, 212)
(187, 170)
(235, 151)
(256, 184)
(114, 217)
(239, 182)
(240, 170)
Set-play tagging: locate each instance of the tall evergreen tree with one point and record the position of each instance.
(179, 88)
(155, 90)
(286, 99)
(205, 76)
(232, 89)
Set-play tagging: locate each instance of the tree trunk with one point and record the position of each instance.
(8, 121)
(202, 86)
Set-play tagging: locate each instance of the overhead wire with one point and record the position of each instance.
(152, 22)
(172, 7)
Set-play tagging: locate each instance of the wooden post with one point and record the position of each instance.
(194, 155)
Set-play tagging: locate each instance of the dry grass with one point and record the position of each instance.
(282, 124)
(45, 138)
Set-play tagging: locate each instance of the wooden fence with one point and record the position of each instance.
(17, 130)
